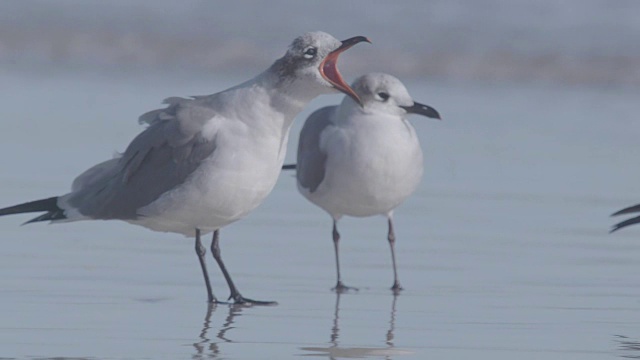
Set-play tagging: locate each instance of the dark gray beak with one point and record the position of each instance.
(422, 109)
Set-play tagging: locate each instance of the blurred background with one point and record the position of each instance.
(580, 42)
(503, 250)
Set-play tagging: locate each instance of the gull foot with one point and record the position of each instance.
(341, 288)
(396, 288)
(241, 300)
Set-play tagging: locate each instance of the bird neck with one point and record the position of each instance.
(265, 104)
(287, 96)
(349, 108)
(289, 92)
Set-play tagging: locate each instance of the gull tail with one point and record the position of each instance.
(50, 205)
(632, 221)
(289, 167)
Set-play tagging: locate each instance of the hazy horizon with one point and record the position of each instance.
(590, 42)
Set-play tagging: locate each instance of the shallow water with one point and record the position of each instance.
(503, 250)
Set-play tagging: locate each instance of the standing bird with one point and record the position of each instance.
(625, 211)
(362, 160)
(206, 161)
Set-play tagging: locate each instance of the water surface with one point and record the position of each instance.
(503, 250)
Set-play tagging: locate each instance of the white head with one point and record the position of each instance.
(312, 59)
(385, 93)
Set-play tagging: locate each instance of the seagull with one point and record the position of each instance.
(362, 160)
(206, 161)
(633, 220)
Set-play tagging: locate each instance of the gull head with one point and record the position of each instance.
(312, 59)
(386, 94)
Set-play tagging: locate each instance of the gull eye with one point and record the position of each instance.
(310, 52)
(384, 96)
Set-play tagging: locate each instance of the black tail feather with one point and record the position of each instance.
(625, 223)
(627, 210)
(289, 167)
(50, 205)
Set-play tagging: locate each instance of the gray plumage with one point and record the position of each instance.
(168, 151)
(363, 159)
(311, 159)
(205, 162)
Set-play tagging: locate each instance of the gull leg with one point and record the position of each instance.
(392, 241)
(201, 251)
(235, 294)
(340, 287)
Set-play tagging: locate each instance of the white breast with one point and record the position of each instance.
(371, 168)
(234, 180)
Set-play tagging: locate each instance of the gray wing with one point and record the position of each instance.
(311, 160)
(157, 160)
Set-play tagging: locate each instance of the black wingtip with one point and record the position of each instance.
(289, 167)
(50, 205)
(628, 222)
(627, 210)
(49, 216)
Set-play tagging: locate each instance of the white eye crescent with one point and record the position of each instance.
(310, 52)
(384, 96)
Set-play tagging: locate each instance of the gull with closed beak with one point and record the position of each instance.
(362, 160)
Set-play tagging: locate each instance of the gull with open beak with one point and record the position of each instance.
(206, 161)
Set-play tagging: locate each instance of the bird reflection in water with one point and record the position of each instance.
(629, 348)
(207, 348)
(335, 351)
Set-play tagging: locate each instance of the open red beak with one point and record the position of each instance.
(329, 67)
